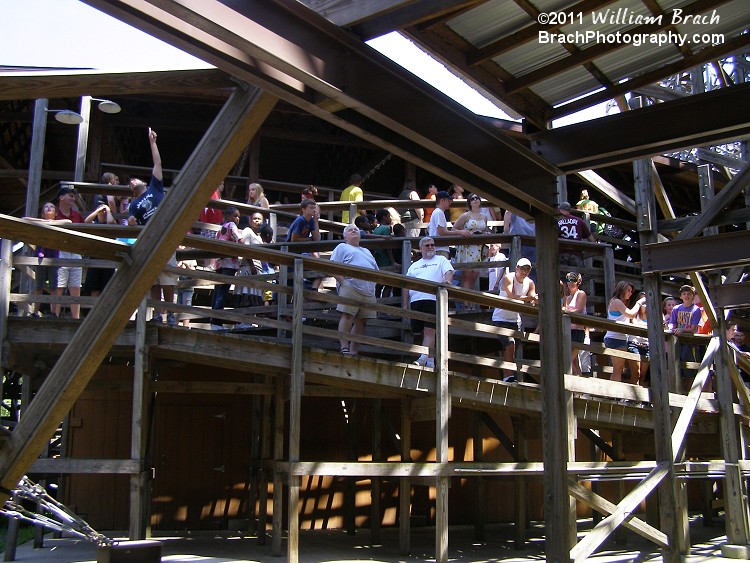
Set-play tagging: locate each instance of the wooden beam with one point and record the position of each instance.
(659, 372)
(442, 414)
(600, 504)
(624, 510)
(269, 44)
(718, 203)
(296, 389)
(735, 497)
(71, 84)
(235, 125)
(51, 236)
(139, 431)
(554, 416)
(608, 190)
(81, 465)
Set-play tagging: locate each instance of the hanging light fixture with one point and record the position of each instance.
(66, 116)
(107, 106)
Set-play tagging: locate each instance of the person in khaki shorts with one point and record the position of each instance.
(353, 317)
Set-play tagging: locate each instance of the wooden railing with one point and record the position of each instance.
(389, 335)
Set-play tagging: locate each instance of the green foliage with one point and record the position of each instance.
(25, 533)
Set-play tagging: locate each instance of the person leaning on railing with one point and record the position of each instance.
(435, 268)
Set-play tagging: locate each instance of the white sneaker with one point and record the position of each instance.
(430, 363)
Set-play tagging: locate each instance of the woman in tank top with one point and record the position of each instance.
(575, 302)
(618, 311)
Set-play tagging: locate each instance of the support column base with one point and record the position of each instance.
(140, 551)
(734, 551)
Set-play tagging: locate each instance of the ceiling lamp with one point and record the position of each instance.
(107, 106)
(66, 116)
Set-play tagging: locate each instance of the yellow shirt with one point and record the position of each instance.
(352, 193)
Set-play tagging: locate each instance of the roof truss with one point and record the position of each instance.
(283, 47)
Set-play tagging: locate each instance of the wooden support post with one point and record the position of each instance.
(139, 505)
(239, 119)
(442, 412)
(480, 505)
(515, 252)
(296, 389)
(256, 440)
(567, 362)
(83, 139)
(620, 534)
(282, 306)
(562, 189)
(522, 486)
(377, 432)
(554, 417)
(646, 216)
(572, 433)
(404, 487)
(33, 186)
(278, 477)
(706, 187)
(6, 271)
(406, 334)
(350, 483)
(672, 364)
(735, 487)
(11, 540)
(265, 454)
(609, 273)
(36, 157)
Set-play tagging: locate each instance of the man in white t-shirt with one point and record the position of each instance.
(438, 225)
(353, 317)
(514, 285)
(435, 268)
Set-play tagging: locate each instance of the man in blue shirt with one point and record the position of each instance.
(146, 201)
(305, 226)
(147, 198)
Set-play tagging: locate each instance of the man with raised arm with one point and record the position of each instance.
(145, 203)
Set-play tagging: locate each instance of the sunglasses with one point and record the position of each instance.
(475, 199)
(428, 245)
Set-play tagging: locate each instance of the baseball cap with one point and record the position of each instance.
(523, 262)
(443, 195)
(564, 205)
(65, 190)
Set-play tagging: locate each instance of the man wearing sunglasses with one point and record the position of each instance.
(435, 268)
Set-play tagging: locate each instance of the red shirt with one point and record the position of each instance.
(74, 216)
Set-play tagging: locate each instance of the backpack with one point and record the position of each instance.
(408, 214)
(606, 229)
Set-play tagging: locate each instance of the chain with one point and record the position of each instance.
(377, 166)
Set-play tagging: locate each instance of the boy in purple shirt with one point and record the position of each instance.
(685, 319)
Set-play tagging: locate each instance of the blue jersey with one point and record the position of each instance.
(147, 203)
(301, 226)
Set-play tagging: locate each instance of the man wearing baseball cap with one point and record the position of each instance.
(514, 285)
(570, 227)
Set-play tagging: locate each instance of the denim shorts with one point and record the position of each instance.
(616, 343)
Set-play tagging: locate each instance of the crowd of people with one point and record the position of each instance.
(437, 263)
